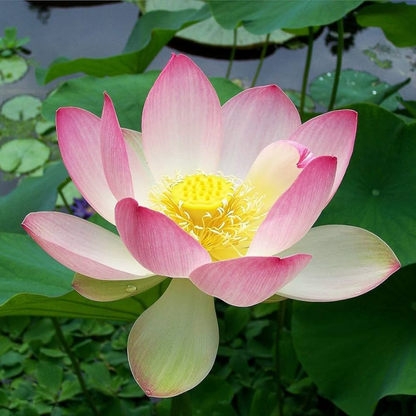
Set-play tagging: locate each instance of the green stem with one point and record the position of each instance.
(75, 365)
(262, 55)
(61, 194)
(234, 48)
(340, 50)
(181, 405)
(280, 324)
(306, 71)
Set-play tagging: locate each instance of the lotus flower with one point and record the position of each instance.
(221, 200)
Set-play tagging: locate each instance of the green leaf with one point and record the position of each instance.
(70, 388)
(397, 21)
(23, 155)
(235, 321)
(208, 32)
(49, 376)
(12, 69)
(295, 96)
(21, 107)
(150, 34)
(355, 87)
(360, 350)
(410, 106)
(11, 358)
(261, 17)
(378, 192)
(264, 403)
(33, 194)
(128, 93)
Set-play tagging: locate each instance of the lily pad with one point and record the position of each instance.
(23, 155)
(360, 350)
(378, 192)
(354, 87)
(208, 32)
(295, 96)
(397, 21)
(12, 69)
(21, 107)
(261, 17)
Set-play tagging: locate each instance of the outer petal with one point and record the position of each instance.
(79, 142)
(247, 281)
(83, 247)
(252, 120)
(276, 168)
(173, 344)
(346, 262)
(181, 122)
(294, 213)
(109, 290)
(114, 153)
(140, 173)
(331, 134)
(157, 242)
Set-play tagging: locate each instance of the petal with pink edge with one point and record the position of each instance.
(173, 344)
(181, 123)
(331, 134)
(276, 168)
(247, 281)
(252, 120)
(294, 213)
(83, 247)
(79, 141)
(157, 242)
(140, 172)
(346, 262)
(114, 153)
(110, 290)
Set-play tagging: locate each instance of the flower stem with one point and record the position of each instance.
(61, 194)
(340, 50)
(234, 48)
(262, 55)
(75, 364)
(280, 324)
(306, 71)
(181, 405)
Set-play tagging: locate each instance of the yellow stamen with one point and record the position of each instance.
(219, 211)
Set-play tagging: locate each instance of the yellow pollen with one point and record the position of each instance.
(221, 212)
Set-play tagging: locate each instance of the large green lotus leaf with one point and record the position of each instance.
(127, 91)
(150, 34)
(360, 350)
(12, 69)
(209, 32)
(355, 87)
(265, 16)
(23, 155)
(378, 192)
(32, 283)
(33, 194)
(398, 21)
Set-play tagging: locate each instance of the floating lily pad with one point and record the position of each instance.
(44, 127)
(23, 155)
(12, 69)
(360, 350)
(209, 32)
(354, 87)
(295, 96)
(21, 107)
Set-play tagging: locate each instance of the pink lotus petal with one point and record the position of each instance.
(79, 141)
(276, 168)
(83, 247)
(247, 281)
(173, 344)
(331, 134)
(181, 122)
(114, 153)
(140, 173)
(252, 120)
(156, 242)
(346, 262)
(294, 213)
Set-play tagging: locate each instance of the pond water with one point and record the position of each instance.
(103, 30)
